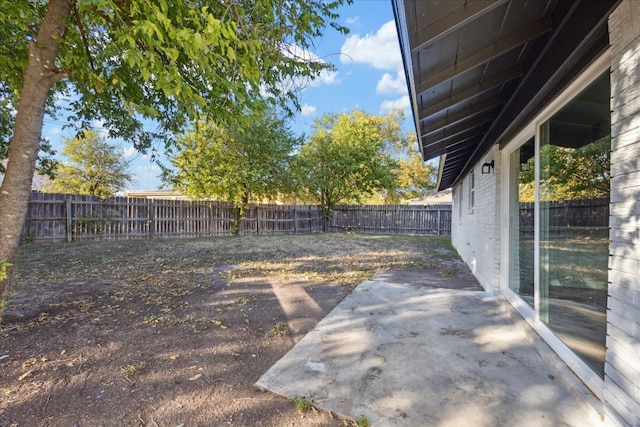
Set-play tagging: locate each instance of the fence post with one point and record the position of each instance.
(68, 213)
(152, 217)
(210, 208)
(438, 224)
(295, 221)
(258, 211)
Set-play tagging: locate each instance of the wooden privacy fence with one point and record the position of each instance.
(59, 217)
(591, 213)
(393, 219)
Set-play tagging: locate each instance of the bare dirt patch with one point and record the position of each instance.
(176, 332)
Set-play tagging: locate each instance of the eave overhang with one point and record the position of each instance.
(479, 70)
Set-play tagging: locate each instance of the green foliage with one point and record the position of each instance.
(568, 173)
(169, 62)
(241, 164)
(363, 421)
(348, 158)
(303, 403)
(8, 102)
(93, 167)
(415, 177)
(280, 329)
(93, 223)
(4, 266)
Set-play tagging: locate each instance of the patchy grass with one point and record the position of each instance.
(363, 421)
(176, 332)
(280, 329)
(303, 403)
(344, 259)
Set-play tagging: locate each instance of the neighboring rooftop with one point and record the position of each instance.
(434, 197)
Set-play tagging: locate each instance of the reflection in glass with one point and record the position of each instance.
(574, 219)
(521, 216)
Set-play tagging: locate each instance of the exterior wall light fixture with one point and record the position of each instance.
(488, 167)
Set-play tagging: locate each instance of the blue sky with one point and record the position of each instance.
(369, 77)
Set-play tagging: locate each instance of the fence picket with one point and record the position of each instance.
(393, 219)
(68, 217)
(60, 217)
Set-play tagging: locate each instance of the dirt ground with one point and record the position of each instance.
(176, 332)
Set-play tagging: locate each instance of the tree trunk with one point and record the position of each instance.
(40, 75)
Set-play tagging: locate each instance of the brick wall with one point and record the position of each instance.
(622, 369)
(475, 231)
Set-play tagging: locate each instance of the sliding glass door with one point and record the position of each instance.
(559, 219)
(521, 217)
(574, 221)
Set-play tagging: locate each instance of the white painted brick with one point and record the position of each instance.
(623, 129)
(619, 322)
(625, 153)
(621, 381)
(625, 107)
(622, 370)
(624, 74)
(623, 229)
(623, 249)
(630, 314)
(624, 193)
(475, 234)
(615, 334)
(625, 209)
(625, 362)
(624, 287)
(618, 411)
(628, 96)
(626, 165)
(630, 179)
(625, 265)
(628, 26)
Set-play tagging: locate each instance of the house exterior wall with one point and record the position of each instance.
(622, 368)
(475, 229)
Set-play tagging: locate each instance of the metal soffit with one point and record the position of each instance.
(477, 70)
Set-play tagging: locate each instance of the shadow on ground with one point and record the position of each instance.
(409, 354)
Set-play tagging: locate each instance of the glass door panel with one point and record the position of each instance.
(573, 194)
(522, 214)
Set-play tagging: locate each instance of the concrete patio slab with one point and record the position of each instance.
(407, 355)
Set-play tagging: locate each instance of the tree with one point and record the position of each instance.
(347, 158)
(132, 61)
(570, 173)
(415, 177)
(94, 168)
(239, 164)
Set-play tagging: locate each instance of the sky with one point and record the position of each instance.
(369, 76)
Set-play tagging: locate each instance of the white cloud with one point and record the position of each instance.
(149, 169)
(308, 110)
(352, 20)
(379, 50)
(389, 85)
(129, 152)
(401, 103)
(326, 77)
(98, 125)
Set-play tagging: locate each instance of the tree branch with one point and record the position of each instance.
(74, 6)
